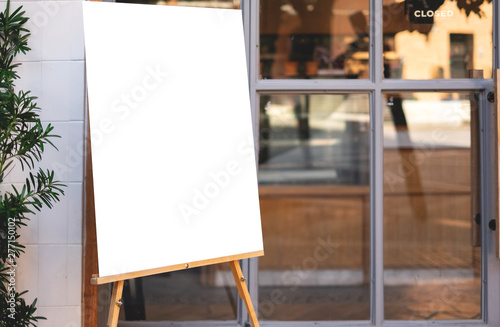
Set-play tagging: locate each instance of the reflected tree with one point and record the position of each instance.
(472, 6)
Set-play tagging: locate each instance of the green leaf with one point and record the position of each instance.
(23, 140)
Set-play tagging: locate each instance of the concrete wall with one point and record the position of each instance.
(51, 268)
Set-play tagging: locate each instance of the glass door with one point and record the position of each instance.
(432, 271)
(314, 174)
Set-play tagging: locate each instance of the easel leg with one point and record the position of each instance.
(114, 307)
(243, 291)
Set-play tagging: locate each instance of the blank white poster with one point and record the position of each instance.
(175, 178)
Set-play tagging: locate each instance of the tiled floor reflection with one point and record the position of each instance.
(180, 296)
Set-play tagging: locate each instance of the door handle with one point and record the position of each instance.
(475, 166)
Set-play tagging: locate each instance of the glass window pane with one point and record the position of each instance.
(205, 293)
(431, 269)
(437, 39)
(314, 193)
(314, 39)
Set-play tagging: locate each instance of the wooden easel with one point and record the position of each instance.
(118, 280)
(116, 296)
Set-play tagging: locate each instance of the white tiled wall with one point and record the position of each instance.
(51, 268)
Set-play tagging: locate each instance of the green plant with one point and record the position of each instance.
(23, 139)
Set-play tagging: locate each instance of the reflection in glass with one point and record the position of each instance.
(437, 39)
(205, 293)
(431, 269)
(314, 39)
(314, 193)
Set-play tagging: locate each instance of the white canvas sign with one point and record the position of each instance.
(172, 147)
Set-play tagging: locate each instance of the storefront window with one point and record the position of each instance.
(431, 269)
(314, 196)
(314, 39)
(437, 39)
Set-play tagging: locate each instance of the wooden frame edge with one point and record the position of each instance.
(96, 280)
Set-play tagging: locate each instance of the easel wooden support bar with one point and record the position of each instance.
(243, 291)
(97, 280)
(89, 307)
(116, 303)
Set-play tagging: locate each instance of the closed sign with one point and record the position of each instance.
(424, 11)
